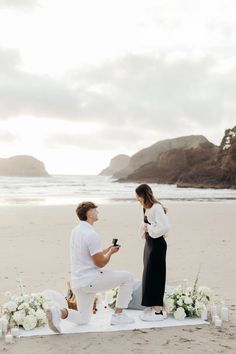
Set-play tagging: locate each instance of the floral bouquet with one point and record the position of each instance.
(187, 302)
(111, 297)
(27, 311)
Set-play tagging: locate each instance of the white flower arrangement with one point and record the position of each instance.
(187, 302)
(27, 311)
(111, 297)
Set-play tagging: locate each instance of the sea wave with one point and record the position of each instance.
(61, 189)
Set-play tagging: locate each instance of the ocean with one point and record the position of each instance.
(69, 190)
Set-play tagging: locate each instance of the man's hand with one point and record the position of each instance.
(100, 259)
(106, 250)
(114, 249)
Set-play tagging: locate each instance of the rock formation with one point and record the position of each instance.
(118, 163)
(218, 171)
(203, 166)
(151, 153)
(22, 166)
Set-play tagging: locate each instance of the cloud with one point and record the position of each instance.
(9, 60)
(165, 94)
(6, 137)
(161, 93)
(19, 4)
(108, 138)
(37, 95)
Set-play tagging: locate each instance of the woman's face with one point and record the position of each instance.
(139, 199)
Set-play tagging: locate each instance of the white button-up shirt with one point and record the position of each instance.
(84, 243)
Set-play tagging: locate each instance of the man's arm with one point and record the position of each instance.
(101, 259)
(106, 250)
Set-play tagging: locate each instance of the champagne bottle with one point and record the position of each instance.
(69, 291)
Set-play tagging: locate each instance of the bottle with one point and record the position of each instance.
(69, 291)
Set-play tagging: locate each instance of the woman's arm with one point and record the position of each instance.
(159, 222)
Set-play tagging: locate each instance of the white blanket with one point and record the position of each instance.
(101, 323)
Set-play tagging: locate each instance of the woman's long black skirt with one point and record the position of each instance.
(154, 272)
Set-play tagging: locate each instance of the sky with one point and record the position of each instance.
(82, 81)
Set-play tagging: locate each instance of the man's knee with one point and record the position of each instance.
(129, 278)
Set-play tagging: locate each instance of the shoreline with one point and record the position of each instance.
(113, 201)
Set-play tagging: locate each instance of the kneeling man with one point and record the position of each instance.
(88, 276)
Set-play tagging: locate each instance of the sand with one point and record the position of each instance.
(34, 243)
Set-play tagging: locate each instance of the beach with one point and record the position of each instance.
(34, 243)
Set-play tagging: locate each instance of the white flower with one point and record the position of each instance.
(32, 311)
(199, 306)
(190, 308)
(39, 298)
(177, 290)
(204, 290)
(188, 300)
(24, 306)
(45, 306)
(10, 306)
(180, 302)
(187, 293)
(18, 317)
(179, 314)
(40, 315)
(30, 322)
(25, 310)
(169, 305)
(19, 299)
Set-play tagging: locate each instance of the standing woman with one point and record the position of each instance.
(154, 228)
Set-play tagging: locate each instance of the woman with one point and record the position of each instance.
(154, 228)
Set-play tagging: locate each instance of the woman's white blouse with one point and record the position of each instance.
(159, 225)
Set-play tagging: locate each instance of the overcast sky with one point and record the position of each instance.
(82, 81)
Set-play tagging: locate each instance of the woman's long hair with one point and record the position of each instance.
(145, 192)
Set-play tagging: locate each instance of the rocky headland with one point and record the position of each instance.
(190, 161)
(22, 166)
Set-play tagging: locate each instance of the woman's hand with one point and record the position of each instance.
(145, 227)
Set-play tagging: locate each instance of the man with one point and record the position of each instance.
(87, 275)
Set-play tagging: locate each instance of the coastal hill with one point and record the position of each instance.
(152, 152)
(117, 163)
(187, 162)
(172, 165)
(218, 170)
(22, 166)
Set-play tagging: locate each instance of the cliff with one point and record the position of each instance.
(118, 163)
(22, 166)
(152, 153)
(218, 171)
(203, 166)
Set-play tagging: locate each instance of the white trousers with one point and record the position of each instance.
(106, 280)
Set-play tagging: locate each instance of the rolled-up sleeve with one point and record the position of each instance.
(159, 222)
